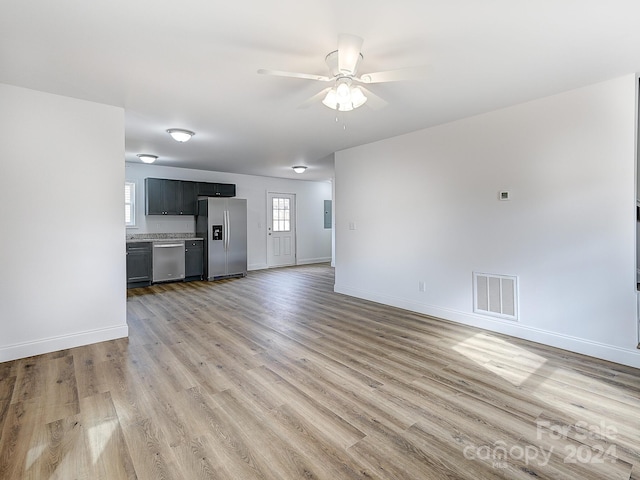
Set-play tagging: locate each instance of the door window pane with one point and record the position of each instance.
(281, 215)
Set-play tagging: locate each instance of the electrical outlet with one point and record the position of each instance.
(422, 286)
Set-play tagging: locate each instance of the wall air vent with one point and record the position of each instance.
(495, 295)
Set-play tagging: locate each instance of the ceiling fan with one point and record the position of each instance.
(343, 66)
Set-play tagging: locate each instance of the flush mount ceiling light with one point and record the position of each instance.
(180, 135)
(344, 97)
(147, 158)
(299, 168)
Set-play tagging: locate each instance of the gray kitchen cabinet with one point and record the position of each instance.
(207, 189)
(164, 196)
(161, 196)
(188, 201)
(170, 197)
(139, 261)
(193, 259)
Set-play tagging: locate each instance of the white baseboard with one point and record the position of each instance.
(257, 266)
(53, 344)
(612, 353)
(309, 261)
(303, 261)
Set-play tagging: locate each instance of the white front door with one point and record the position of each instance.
(281, 229)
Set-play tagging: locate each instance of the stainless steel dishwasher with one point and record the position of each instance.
(168, 260)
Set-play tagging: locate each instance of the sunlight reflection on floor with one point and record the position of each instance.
(99, 437)
(474, 348)
(33, 455)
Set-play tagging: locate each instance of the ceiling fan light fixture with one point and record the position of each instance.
(343, 92)
(147, 158)
(299, 168)
(180, 135)
(358, 98)
(343, 66)
(344, 98)
(331, 100)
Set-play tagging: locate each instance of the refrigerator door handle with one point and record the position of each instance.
(226, 230)
(229, 230)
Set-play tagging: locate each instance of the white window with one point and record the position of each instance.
(130, 204)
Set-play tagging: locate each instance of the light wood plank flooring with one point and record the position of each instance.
(276, 377)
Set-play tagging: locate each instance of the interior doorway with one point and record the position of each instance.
(281, 229)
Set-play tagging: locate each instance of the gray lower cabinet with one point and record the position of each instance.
(193, 259)
(139, 264)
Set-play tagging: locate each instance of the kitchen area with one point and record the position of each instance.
(156, 189)
(217, 249)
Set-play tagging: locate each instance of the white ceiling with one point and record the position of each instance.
(192, 64)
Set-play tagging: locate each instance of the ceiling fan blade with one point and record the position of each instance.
(411, 73)
(318, 97)
(349, 47)
(305, 76)
(373, 100)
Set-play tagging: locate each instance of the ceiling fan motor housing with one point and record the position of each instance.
(332, 62)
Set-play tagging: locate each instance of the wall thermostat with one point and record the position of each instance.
(504, 195)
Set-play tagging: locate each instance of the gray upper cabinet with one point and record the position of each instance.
(188, 202)
(180, 197)
(206, 189)
(170, 197)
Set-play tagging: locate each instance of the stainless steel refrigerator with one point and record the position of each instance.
(222, 222)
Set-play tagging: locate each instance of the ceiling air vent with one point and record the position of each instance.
(495, 295)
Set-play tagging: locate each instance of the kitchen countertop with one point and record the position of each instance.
(140, 238)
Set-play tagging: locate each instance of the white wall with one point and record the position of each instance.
(568, 232)
(313, 240)
(62, 253)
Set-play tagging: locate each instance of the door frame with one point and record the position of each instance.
(294, 227)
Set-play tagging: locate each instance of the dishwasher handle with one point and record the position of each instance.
(168, 245)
